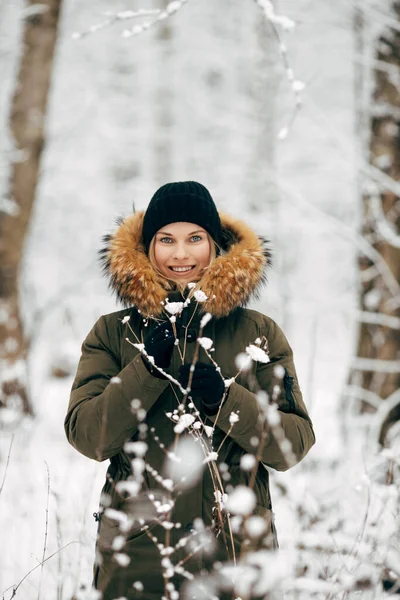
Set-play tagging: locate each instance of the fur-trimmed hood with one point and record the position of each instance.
(235, 276)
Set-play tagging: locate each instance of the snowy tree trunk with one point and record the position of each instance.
(27, 119)
(378, 343)
(163, 102)
(261, 189)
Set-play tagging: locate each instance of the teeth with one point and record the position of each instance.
(181, 269)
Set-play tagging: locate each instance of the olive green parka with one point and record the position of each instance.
(115, 400)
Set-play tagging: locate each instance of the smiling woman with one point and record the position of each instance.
(181, 252)
(127, 404)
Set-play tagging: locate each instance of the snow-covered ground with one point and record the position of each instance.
(204, 100)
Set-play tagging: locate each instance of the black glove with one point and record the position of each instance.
(207, 384)
(159, 343)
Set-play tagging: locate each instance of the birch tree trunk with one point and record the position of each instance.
(376, 369)
(163, 102)
(27, 120)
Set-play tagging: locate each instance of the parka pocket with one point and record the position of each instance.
(110, 529)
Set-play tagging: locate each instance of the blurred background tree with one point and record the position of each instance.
(376, 370)
(27, 128)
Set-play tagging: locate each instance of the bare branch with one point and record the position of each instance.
(46, 528)
(15, 587)
(7, 463)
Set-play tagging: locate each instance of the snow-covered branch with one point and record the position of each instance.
(384, 227)
(128, 15)
(297, 86)
(376, 365)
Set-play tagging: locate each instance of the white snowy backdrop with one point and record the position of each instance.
(203, 96)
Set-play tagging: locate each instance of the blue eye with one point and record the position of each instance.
(166, 240)
(199, 238)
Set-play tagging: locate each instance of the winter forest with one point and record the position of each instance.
(289, 112)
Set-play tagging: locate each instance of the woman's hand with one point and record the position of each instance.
(159, 343)
(207, 384)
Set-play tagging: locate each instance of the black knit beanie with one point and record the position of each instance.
(181, 201)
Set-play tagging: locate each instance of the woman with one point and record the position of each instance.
(171, 266)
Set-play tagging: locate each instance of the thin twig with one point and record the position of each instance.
(45, 529)
(59, 544)
(15, 587)
(8, 461)
(125, 15)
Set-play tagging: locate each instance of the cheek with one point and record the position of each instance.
(160, 254)
(205, 255)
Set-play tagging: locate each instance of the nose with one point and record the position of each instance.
(180, 251)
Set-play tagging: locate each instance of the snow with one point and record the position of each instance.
(140, 347)
(233, 418)
(205, 342)
(138, 585)
(116, 515)
(139, 448)
(255, 526)
(279, 371)
(122, 559)
(220, 498)
(132, 488)
(243, 361)
(257, 354)
(185, 462)
(211, 456)
(208, 430)
(247, 462)
(174, 308)
(204, 320)
(241, 501)
(200, 296)
(184, 422)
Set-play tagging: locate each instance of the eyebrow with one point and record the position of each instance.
(172, 235)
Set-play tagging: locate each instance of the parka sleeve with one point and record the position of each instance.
(99, 418)
(279, 380)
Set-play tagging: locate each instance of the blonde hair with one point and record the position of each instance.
(169, 284)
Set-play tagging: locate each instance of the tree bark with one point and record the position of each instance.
(381, 227)
(27, 122)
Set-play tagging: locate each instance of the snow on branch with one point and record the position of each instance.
(375, 364)
(9, 207)
(159, 15)
(354, 391)
(296, 85)
(383, 179)
(378, 319)
(384, 227)
(124, 15)
(268, 9)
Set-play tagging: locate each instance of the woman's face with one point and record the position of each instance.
(181, 251)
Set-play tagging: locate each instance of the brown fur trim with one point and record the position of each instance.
(229, 282)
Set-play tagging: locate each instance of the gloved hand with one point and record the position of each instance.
(159, 343)
(207, 384)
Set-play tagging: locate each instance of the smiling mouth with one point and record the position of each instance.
(181, 269)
